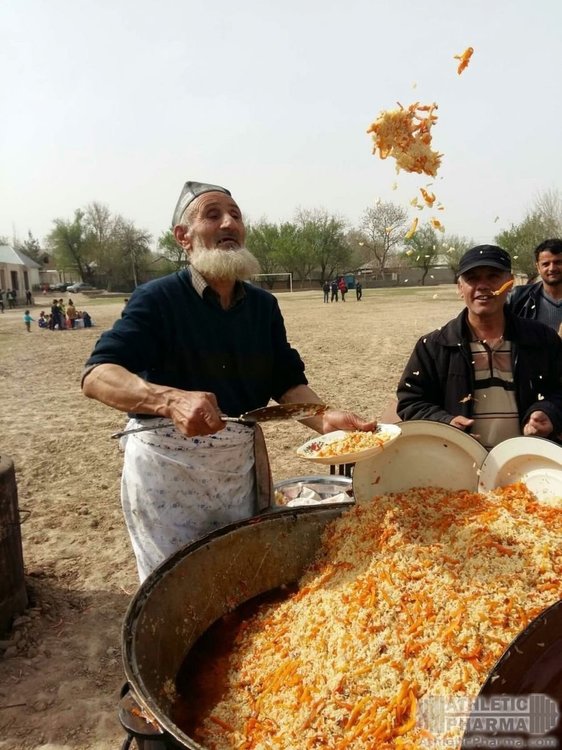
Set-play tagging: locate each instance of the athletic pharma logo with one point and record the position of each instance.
(501, 721)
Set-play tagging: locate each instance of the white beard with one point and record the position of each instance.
(236, 264)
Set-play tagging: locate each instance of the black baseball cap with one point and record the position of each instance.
(190, 191)
(485, 255)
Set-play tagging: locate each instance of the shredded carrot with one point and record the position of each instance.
(403, 598)
(464, 59)
(222, 724)
(429, 198)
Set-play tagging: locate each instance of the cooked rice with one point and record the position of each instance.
(352, 443)
(411, 594)
(405, 135)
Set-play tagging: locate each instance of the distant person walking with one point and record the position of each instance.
(334, 289)
(342, 286)
(358, 291)
(2, 300)
(28, 297)
(11, 297)
(28, 320)
(326, 290)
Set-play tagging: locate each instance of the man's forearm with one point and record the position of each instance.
(115, 386)
(303, 394)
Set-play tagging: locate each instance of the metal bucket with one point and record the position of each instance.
(198, 585)
(326, 487)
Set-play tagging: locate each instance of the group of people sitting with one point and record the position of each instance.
(63, 317)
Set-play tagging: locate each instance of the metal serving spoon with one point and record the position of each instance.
(264, 414)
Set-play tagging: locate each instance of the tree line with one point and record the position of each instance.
(109, 251)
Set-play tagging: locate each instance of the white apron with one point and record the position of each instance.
(175, 489)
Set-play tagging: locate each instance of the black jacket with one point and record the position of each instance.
(439, 377)
(525, 299)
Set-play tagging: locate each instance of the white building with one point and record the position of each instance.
(17, 271)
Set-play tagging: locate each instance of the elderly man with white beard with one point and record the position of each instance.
(192, 347)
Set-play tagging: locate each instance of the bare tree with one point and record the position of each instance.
(383, 228)
(100, 222)
(549, 207)
(134, 246)
(543, 221)
(30, 247)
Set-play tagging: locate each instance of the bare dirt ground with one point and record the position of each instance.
(60, 682)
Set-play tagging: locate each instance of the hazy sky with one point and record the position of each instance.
(120, 102)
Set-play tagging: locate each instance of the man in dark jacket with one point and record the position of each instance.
(487, 372)
(542, 300)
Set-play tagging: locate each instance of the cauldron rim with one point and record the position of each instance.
(136, 683)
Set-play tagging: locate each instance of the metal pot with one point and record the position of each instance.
(531, 669)
(206, 579)
(180, 600)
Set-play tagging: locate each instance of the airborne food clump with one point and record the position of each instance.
(405, 135)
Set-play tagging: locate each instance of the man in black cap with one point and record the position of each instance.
(190, 347)
(487, 372)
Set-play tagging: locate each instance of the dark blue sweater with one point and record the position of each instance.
(169, 335)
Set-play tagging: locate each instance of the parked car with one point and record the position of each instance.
(80, 286)
(60, 287)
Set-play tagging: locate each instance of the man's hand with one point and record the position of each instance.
(462, 423)
(338, 419)
(195, 413)
(333, 419)
(539, 424)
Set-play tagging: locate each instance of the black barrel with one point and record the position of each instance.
(13, 596)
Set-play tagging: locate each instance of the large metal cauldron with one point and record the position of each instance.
(199, 584)
(212, 576)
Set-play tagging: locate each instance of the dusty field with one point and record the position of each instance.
(59, 691)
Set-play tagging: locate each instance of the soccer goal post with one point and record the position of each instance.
(270, 278)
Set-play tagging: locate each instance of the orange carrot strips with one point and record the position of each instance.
(428, 197)
(464, 59)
